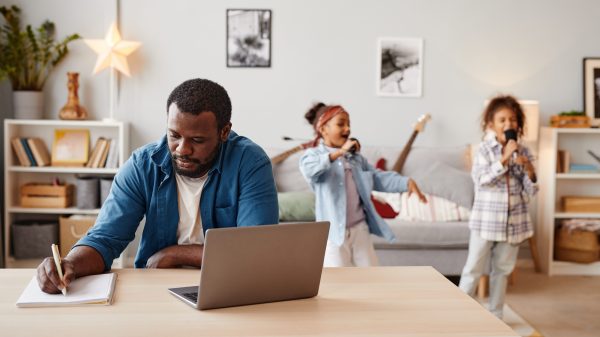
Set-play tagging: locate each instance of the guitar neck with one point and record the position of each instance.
(404, 154)
(284, 155)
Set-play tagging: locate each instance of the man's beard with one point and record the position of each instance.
(202, 166)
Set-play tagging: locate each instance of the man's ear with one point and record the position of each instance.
(225, 132)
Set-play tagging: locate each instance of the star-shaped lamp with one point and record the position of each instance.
(112, 52)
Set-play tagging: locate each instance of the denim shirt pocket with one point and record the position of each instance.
(226, 216)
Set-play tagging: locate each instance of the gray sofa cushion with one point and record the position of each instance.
(445, 181)
(421, 158)
(416, 234)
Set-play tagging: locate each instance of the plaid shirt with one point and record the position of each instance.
(500, 210)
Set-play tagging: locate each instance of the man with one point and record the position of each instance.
(201, 175)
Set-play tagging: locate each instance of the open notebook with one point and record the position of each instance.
(93, 289)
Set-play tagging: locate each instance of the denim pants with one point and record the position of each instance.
(503, 257)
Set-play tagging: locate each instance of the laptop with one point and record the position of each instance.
(258, 264)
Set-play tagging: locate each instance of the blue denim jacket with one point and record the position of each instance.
(239, 191)
(326, 178)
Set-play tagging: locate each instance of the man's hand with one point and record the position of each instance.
(47, 275)
(413, 188)
(176, 256)
(81, 261)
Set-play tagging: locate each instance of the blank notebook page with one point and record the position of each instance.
(93, 289)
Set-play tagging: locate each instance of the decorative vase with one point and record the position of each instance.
(73, 110)
(28, 104)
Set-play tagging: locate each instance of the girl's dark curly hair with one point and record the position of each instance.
(503, 102)
(313, 114)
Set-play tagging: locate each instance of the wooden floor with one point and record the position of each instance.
(557, 306)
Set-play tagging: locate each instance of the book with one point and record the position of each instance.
(112, 161)
(104, 155)
(563, 161)
(87, 290)
(39, 150)
(583, 168)
(28, 151)
(94, 153)
(20, 152)
(102, 145)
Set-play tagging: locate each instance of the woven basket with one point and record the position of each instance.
(576, 246)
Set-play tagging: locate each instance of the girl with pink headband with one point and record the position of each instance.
(343, 180)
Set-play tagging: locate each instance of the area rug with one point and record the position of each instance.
(518, 324)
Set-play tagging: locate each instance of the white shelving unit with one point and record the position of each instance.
(15, 175)
(556, 185)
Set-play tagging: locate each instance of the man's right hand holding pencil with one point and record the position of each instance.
(81, 261)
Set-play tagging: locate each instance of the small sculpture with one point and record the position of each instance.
(73, 110)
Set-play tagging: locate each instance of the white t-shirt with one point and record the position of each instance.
(189, 190)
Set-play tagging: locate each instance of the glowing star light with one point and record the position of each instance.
(112, 51)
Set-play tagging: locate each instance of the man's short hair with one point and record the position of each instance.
(200, 95)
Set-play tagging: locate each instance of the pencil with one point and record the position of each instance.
(56, 256)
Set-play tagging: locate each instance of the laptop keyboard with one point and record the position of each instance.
(193, 296)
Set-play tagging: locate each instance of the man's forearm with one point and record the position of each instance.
(177, 256)
(188, 255)
(86, 261)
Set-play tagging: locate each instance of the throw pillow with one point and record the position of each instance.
(296, 206)
(435, 210)
(447, 182)
(384, 209)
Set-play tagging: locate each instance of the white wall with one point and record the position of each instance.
(326, 50)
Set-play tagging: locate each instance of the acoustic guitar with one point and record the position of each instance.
(284, 155)
(384, 209)
(418, 127)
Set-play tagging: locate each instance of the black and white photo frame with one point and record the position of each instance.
(591, 87)
(249, 38)
(400, 67)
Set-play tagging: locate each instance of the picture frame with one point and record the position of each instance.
(248, 38)
(591, 87)
(70, 147)
(399, 66)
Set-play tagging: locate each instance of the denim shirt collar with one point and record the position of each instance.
(162, 157)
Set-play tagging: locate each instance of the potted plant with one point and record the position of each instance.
(26, 59)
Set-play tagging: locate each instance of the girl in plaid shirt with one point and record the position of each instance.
(504, 180)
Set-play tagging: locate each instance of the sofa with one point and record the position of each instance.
(443, 173)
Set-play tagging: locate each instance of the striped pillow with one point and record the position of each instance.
(435, 210)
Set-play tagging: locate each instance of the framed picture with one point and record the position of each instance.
(591, 87)
(399, 67)
(70, 147)
(249, 38)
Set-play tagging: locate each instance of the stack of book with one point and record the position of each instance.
(31, 151)
(104, 155)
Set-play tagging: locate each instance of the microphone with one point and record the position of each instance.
(511, 134)
(354, 147)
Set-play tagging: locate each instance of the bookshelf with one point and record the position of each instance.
(553, 186)
(16, 175)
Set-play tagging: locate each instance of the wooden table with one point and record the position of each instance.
(378, 301)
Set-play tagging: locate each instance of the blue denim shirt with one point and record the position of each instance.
(239, 191)
(326, 178)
